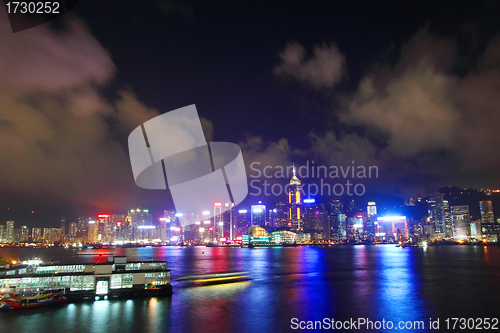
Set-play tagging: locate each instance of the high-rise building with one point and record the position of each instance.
(24, 234)
(315, 219)
(9, 232)
(2, 234)
(72, 229)
(63, 225)
(486, 208)
(52, 235)
(92, 232)
(295, 203)
(448, 223)
(336, 216)
(435, 209)
(258, 215)
(372, 210)
(141, 221)
(461, 222)
(243, 222)
(281, 215)
(36, 234)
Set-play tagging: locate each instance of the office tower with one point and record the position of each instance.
(92, 232)
(139, 219)
(24, 234)
(371, 210)
(315, 220)
(243, 222)
(281, 215)
(9, 232)
(258, 215)
(448, 223)
(435, 210)
(229, 220)
(63, 225)
(271, 218)
(36, 235)
(2, 234)
(294, 203)
(461, 222)
(486, 208)
(335, 214)
(72, 229)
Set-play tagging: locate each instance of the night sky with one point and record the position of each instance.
(413, 88)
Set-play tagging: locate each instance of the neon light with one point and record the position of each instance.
(102, 215)
(91, 222)
(257, 210)
(146, 227)
(239, 238)
(163, 218)
(167, 220)
(298, 213)
(221, 223)
(207, 222)
(178, 214)
(309, 200)
(202, 229)
(172, 228)
(358, 226)
(359, 216)
(197, 223)
(223, 239)
(177, 229)
(218, 204)
(242, 211)
(146, 211)
(391, 218)
(211, 229)
(206, 212)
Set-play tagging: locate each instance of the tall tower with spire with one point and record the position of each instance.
(295, 202)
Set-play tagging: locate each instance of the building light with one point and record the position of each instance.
(359, 216)
(178, 214)
(146, 227)
(242, 211)
(102, 215)
(206, 212)
(309, 200)
(202, 229)
(223, 239)
(163, 218)
(391, 218)
(206, 222)
(257, 210)
(218, 204)
(221, 223)
(177, 229)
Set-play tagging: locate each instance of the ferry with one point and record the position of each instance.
(115, 278)
(15, 300)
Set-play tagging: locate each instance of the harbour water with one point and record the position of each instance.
(308, 283)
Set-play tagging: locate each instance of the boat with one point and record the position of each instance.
(16, 300)
(215, 278)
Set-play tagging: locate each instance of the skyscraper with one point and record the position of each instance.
(295, 203)
(36, 234)
(435, 209)
(486, 208)
(337, 219)
(448, 223)
(461, 222)
(258, 215)
(9, 232)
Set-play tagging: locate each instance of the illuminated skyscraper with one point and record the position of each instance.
(24, 234)
(295, 203)
(461, 222)
(92, 232)
(9, 232)
(435, 209)
(258, 215)
(72, 229)
(486, 211)
(281, 215)
(448, 223)
(337, 220)
(2, 234)
(36, 234)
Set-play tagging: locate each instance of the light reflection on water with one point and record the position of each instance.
(307, 283)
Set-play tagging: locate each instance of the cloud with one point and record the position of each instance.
(59, 137)
(423, 106)
(324, 69)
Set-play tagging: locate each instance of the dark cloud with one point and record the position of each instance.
(324, 69)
